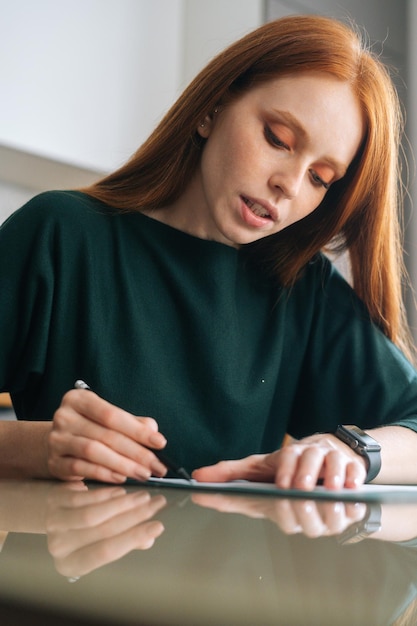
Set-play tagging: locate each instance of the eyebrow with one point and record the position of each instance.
(294, 123)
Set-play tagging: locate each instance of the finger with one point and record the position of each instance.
(309, 467)
(107, 415)
(338, 516)
(68, 423)
(285, 517)
(84, 456)
(94, 556)
(65, 543)
(223, 503)
(355, 475)
(356, 511)
(68, 420)
(334, 517)
(309, 518)
(63, 469)
(96, 512)
(334, 470)
(66, 467)
(68, 498)
(250, 468)
(62, 491)
(287, 460)
(340, 471)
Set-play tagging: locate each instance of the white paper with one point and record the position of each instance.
(364, 493)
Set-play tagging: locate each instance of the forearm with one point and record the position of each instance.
(398, 455)
(23, 449)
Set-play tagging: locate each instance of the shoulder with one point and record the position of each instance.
(66, 214)
(322, 270)
(323, 279)
(55, 206)
(328, 280)
(53, 228)
(327, 295)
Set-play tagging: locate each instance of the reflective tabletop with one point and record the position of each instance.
(95, 554)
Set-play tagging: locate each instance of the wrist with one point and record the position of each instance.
(23, 449)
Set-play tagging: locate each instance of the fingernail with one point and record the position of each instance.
(118, 478)
(142, 473)
(159, 469)
(157, 439)
(337, 481)
(156, 528)
(306, 481)
(283, 481)
(117, 492)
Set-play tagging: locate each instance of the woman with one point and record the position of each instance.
(190, 288)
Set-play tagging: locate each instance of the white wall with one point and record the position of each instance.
(84, 82)
(211, 25)
(23, 174)
(12, 196)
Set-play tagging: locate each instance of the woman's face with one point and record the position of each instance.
(270, 157)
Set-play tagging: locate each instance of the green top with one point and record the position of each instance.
(182, 329)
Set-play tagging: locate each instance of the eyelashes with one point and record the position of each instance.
(319, 180)
(274, 141)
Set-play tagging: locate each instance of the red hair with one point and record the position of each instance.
(361, 212)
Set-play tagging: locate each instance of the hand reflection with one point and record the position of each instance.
(313, 518)
(87, 529)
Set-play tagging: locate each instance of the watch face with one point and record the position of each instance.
(364, 445)
(357, 439)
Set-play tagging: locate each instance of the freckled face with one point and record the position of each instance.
(270, 157)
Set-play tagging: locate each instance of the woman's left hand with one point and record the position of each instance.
(300, 464)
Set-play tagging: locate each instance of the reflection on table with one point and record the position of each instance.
(131, 555)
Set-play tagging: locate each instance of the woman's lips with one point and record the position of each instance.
(257, 208)
(256, 214)
(261, 210)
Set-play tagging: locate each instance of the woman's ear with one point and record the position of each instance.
(205, 127)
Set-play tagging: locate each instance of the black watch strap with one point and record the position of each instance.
(362, 444)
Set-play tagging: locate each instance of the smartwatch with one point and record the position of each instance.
(364, 445)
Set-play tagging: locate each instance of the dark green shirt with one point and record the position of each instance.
(186, 331)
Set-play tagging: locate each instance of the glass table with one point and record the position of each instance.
(96, 554)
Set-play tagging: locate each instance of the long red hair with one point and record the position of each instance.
(360, 213)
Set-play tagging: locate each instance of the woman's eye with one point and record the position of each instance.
(273, 139)
(319, 181)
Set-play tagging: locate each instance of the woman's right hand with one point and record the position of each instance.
(91, 438)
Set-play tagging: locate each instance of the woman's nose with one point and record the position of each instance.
(288, 180)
